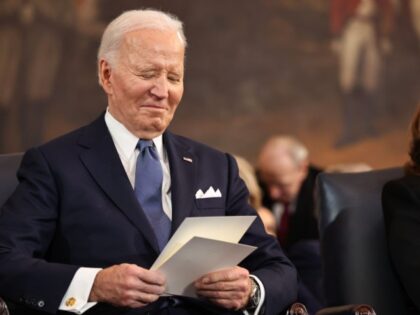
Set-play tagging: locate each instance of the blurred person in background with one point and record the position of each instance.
(401, 206)
(288, 182)
(247, 173)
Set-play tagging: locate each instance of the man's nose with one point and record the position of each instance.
(160, 87)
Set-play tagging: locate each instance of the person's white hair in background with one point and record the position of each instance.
(283, 166)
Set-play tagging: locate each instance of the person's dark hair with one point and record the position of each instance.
(413, 166)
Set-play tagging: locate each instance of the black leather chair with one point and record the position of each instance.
(9, 164)
(355, 259)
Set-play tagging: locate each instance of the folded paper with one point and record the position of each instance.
(186, 257)
(197, 258)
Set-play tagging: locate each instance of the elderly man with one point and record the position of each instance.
(288, 182)
(94, 208)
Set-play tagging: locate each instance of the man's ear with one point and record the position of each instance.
(105, 75)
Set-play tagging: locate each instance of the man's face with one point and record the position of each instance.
(145, 83)
(282, 178)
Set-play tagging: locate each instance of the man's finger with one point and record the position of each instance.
(151, 277)
(230, 274)
(224, 286)
(150, 288)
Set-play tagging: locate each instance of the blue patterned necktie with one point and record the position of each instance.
(148, 190)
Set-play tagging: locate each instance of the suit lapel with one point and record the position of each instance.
(182, 164)
(103, 163)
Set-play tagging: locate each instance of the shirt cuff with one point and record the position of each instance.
(262, 297)
(77, 295)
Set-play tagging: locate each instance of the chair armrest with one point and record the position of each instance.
(3, 308)
(352, 309)
(297, 309)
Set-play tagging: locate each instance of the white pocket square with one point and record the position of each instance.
(210, 193)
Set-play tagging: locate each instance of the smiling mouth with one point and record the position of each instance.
(153, 107)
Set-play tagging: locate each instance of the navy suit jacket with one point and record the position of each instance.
(303, 223)
(74, 207)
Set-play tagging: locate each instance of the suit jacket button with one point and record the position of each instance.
(41, 303)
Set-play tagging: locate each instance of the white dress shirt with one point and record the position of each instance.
(126, 143)
(76, 298)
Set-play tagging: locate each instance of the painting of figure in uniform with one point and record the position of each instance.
(33, 37)
(361, 30)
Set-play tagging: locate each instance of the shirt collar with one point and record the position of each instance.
(124, 140)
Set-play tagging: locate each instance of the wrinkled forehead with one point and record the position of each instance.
(152, 47)
(153, 39)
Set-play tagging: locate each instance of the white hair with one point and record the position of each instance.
(133, 20)
(294, 148)
(298, 150)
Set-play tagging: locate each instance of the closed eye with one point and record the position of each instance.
(174, 78)
(147, 75)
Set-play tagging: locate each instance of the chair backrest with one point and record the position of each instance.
(9, 164)
(355, 259)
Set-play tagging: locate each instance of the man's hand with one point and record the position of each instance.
(229, 288)
(127, 285)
